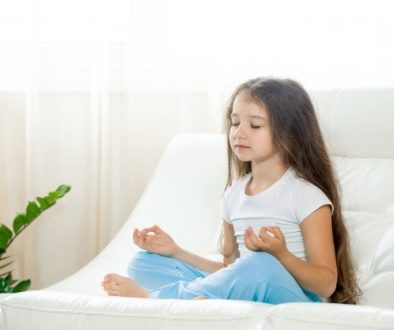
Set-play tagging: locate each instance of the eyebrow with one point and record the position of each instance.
(250, 116)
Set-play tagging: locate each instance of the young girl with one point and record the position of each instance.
(284, 238)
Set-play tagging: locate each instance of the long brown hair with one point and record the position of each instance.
(296, 133)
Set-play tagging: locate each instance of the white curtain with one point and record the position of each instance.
(91, 92)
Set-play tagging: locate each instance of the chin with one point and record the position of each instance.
(243, 159)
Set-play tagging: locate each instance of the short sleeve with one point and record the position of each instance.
(308, 199)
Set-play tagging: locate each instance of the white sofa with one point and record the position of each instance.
(183, 198)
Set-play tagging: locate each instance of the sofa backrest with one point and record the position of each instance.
(358, 128)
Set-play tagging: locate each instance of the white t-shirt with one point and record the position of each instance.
(285, 204)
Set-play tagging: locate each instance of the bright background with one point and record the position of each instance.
(91, 92)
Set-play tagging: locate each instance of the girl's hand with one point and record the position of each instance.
(154, 239)
(276, 244)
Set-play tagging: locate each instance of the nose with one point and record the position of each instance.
(240, 132)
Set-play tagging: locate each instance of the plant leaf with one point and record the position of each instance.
(4, 286)
(19, 222)
(5, 236)
(50, 201)
(62, 190)
(8, 278)
(43, 203)
(32, 211)
(22, 286)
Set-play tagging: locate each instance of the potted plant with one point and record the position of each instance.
(7, 236)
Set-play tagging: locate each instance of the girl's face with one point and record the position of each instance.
(250, 133)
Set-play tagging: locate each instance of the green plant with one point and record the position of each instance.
(33, 209)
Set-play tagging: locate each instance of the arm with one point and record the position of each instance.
(319, 273)
(230, 246)
(156, 240)
(229, 253)
(196, 261)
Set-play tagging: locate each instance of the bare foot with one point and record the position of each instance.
(117, 285)
(200, 297)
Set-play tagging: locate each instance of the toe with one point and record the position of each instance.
(116, 278)
(107, 278)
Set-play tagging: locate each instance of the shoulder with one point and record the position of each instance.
(302, 186)
(236, 186)
(307, 197)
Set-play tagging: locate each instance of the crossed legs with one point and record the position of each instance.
(257, 277)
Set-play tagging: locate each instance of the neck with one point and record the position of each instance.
(267, 172)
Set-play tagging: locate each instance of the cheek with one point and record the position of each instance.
(265, 143)
(231, 135)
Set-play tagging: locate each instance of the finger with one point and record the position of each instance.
(247, 241)
(144, 238)
(141, 238)
(149, 241)
(155, 229)
(263, 235)
(253, 236)
(258, 242)
(263, 230)
(252, 245)
(276, 230)
(135, 236)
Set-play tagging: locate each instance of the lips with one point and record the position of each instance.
(241, 146)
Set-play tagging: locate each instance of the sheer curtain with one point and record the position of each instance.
(91, 92)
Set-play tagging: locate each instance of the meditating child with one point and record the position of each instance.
(284, 238)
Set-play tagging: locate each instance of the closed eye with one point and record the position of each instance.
(252, 126)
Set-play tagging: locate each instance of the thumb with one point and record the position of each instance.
(276, 231)
(156, 229)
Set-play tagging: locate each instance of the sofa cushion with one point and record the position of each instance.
(64, 310)
(307, 316)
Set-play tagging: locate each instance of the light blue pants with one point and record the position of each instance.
(255, 277)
